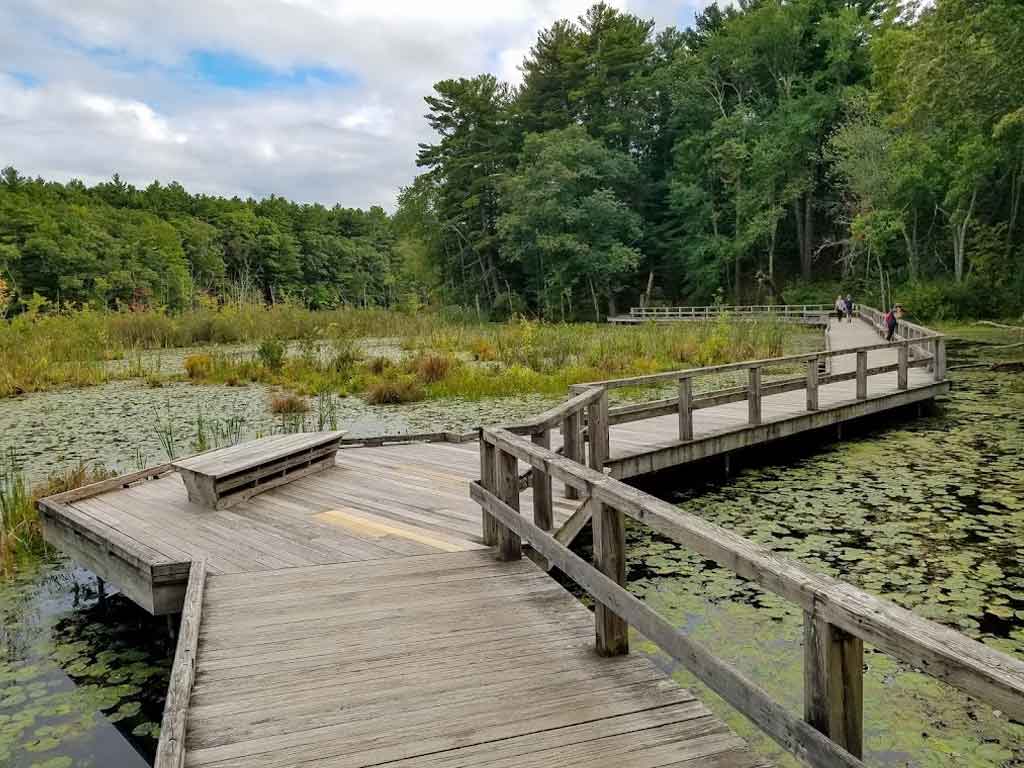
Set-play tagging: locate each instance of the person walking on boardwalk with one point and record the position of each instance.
(849, 308)
(840, 307)
(891, 321)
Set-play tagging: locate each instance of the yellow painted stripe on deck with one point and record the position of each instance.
(378, 529)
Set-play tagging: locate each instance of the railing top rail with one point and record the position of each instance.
(736, 308)
(946, 654)
(653, 378)
(553, 416)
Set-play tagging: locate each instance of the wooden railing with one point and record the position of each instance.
(917, 335)
(790, 311)
(688, 399)
(838, 618)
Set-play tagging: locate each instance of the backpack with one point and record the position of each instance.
(889, 319)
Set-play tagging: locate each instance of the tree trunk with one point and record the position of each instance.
(597, 306)
(650, 287)
(960, 239)
(1016, 188)
(806, 247)
(910, 238)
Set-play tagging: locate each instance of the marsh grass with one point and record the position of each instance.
(288, 403)
(20, 530)
(446, 355)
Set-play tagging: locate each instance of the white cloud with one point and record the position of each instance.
(116, 91)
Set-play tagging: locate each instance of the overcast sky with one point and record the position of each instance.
(316, 100)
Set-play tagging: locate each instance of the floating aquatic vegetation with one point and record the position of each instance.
(929, 514)
(72, 669)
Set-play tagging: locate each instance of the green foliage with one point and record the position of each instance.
(271, 353)
(566, 223)
(116, 245)
(870, 143)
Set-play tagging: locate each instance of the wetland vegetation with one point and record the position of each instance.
(926, 513)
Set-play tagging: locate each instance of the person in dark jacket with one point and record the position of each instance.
(892, 319)
(849, 308)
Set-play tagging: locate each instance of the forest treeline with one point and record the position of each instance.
(775, 150)
(115, 245)
(872, 143)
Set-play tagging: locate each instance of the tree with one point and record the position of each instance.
(566, 225)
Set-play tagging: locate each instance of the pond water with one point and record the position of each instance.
(928, 513)
(118, 424)
(82, 681)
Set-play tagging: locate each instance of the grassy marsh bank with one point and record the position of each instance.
(440, 354)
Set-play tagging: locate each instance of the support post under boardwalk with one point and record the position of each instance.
(754, 395)
(510, 544)
(489, 525)
(543, 516)
(572, 446)
(812, 384)
(834, 683)
(685, 411)
(862, 375)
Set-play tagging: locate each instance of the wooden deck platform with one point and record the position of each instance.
(433, 660)
(356, 615)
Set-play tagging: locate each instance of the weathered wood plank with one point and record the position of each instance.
(834, 683)
(170, 751)
(793, 734)
(507, 471)
(946, 654)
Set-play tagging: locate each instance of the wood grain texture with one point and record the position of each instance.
(448, 660)
(170, 751)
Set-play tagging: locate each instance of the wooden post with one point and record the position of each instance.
(685, 411)
(611, 632)
(572, 445)
(510, 545)
(939, 371)
(903, 360)
(597, 431)
(754, 395)
(489, 525)
(812, 384)
(543, 517)
(834, 683)
(862, 375)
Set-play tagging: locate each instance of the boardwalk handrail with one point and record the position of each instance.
(714, 310)
(838, 618)
(910, 355)
(170, 749)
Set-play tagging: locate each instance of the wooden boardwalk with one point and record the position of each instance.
(357, 616)
(436, 660)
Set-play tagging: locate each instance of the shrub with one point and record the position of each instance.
(378, 365)
(394, 391)
(289, 403)
(271, 353)
(346, 353)
(432, 367)
(198, 366)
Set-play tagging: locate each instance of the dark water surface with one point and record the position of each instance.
(928, 513)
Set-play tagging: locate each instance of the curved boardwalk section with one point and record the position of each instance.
(373, 607)
(437, 660)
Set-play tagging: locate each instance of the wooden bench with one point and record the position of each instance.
(224, 477)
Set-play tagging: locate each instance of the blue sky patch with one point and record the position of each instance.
(230, 70)
(27, 79)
